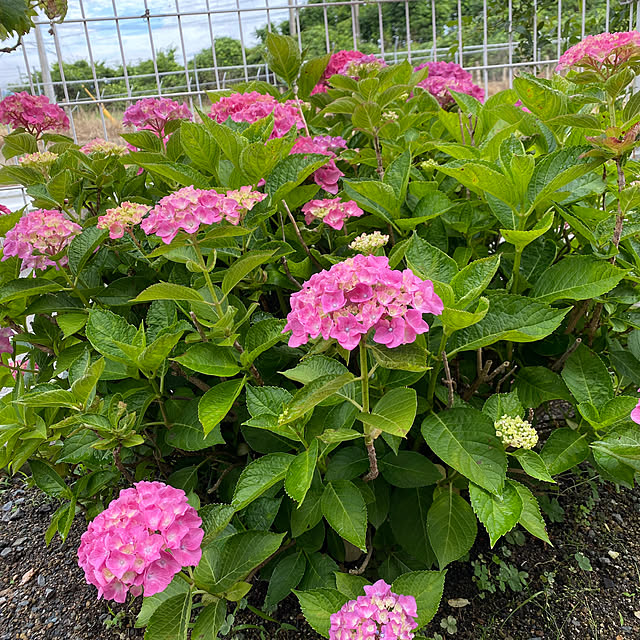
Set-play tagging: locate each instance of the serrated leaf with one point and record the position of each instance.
(216, 403)
(285, 578)
(429, 262)
(112, 336)
(532, 464)
(170, 621)
(317, 606)
(313, 394)
(498, 513)
(426, 587)
(344, 509)
(83, 246)
(243, 267)
(300, 473)
(215, 517)
(471, 281)
(536, 385)
(350, 585)
(48, 480)
(530, 518)
(258, 476)
(414, 539)
(25, 287)
(210, 621)
(564, 449)
(394, 413)
(210, 359)
(168, 291)
(587, 377)
(408, 469)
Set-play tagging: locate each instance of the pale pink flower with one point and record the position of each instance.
(33, 113)
(254, 106)
(603, 53)
(635, 414)
(445, 76)
(379, 614)
(333, 211)
(154, 114)
(123, 217)
(141, 541)
(100, 145)
(328, 175)
(359, 294)
(39, 236)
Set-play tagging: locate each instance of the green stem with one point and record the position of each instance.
(70, 282)
(612, 110)
(516, 270)
(186, 578)
(436, 370)
(207, 277)
(364, 376)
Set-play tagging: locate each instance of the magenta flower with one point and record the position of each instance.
(6, 333)
(603, 53)
(4, 210)
(332, 212)
(444, 76)
(22, 364)
(154, 114)
(345, 63)
(140, 541)
(359, 294)
(378, 615)
(253, 106)
(33, 113)
(122, 218)
(328, 175)
(188, 208)
(39, 236)
(635, 414)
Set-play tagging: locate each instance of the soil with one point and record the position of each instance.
(43, 594)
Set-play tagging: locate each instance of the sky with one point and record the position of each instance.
(103, 36)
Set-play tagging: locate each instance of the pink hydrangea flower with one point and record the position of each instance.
(154, 114)
(254, 106)
(23, 364)
(141, 541)
(359, 294)
(34, 113)
(100, 145)
(380, 614)
(121, 218)
(604, 53)
(38, 236)
(332, 212)
(345, 63)
(444, 76)
(6, 333)
(635, 414)
(4, 210)
(328, 175)
(188, 208)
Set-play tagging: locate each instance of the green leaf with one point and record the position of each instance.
(621, 445)
(530, 518)
(300, 473)
(71, 323)
(406, 357)
(230, 559)
(112, 336)
(532, 464)
(258, 476)
(501, 404)
(263, 335)
(317, 606)
(455, 320)
(243, 267)
(198, 143)
(170, 621)
(210, 359)
(311, 73)
(308, 515)
(408, 469)
(210, 620)
(149, 604)
(313, 394)
(564, 449)
(577, 278)
(84, 386)
(187, 432)
(536, 385)
(426, 587)
(587, 377)
(413, 539)
(48, 480)
(182, 174)
(466, 440)
(397, 175)
(283, 56)
(216, 403)
(373, 196)
(520, 239)
(510, 317)
(344, 509)
(367, 117)
(291, 172)
(539, 98)
(428, 262)
(394, 413)
(153, 356)
(471, 281)
(452, 527)
(285, 578)
(168, 291)
(25, 287)
(350, 585)
(215, 518)
(313, 367)
(498, 513)
(83, 246)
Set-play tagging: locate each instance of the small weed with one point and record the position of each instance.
(552, 508)
(115, 621)
(507, 576)
(583, 562)
(450, 625)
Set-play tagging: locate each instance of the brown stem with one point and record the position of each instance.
(373, 462)
(250, 577)
(222, 475)
(376, 146)
(594, 323)
(299, 235)
(562, 359)
(506, 377)
(617, 232)
(483, 376)
(254, 372)
(285, 266)
(498, 370)
(448, 380)
(121, 468)
(196, 382)
(576, 314)
(198, 327)
(358, 571)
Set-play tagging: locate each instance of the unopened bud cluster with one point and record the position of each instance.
(516, 432)
(368, 242)
(41, 160)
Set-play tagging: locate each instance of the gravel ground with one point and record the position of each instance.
(43, 594)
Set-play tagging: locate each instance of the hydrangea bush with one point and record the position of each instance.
(280, 329)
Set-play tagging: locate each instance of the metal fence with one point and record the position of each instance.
(125, 33)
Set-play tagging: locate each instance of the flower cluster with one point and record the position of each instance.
(140, 541)
(154, 114)
(328, 175)
(603, 53)
(189, 207)
(357, 295)
(380, 614)
(332, 212)
(253, 106)
(34, 113)
(122, 218)
(105, 147)
(369, 242)
(41, 160)
(6, 333)
(446, 76)
(346, 63)
(635, 414)
(38, 236)
(516, 432)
